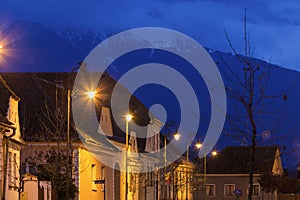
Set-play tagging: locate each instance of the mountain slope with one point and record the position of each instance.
(32, 46)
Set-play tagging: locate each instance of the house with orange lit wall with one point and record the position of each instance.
(10, 142)
(93, 178)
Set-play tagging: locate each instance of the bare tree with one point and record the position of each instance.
(248, 91)
(50, 162)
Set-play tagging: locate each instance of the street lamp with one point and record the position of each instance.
(2, 53)
(128, 118)
(213, 153)
(198, 145)
(176, 136)
(91, 95)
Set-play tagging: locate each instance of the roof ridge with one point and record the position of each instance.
(36, 81)
(49, 82)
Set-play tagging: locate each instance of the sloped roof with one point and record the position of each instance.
(44, 92)
(235, 160)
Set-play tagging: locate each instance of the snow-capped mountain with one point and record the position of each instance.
(30, 46)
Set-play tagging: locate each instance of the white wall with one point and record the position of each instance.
(31, 187)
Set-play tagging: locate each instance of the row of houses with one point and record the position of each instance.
(38, 156)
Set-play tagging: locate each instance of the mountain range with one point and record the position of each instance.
(38, 47)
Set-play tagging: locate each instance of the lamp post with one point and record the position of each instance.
(199, 146)
(213, 153)
(186, 175)
(128, 118)
(176, 137)
(68, 130)
(91, 95)
(165, 168)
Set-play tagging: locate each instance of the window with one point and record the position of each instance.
(151, 178)
(14, 174)
(102, 177)
(153, 143)
(255, 190)
(103, 172)
(228, 189)
(10, 169)
(93, 173)
(209, 190)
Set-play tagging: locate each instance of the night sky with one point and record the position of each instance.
(273, 25)
(274, 29)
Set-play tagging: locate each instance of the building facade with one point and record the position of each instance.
(10, 143)
(228, 174)
(43, 119)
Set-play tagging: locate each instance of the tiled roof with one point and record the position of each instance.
(235, 160)
(43, 92)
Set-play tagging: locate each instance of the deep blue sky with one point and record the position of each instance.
(273, 25)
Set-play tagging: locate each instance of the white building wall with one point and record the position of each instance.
(13, 160)
(13, 116)
(31, 187)
(13, 174)
(46, 185)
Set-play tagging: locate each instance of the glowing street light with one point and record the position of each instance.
(177, 136)
(128, 118)
(198, 145)
(69, 96)
(214, 153)
(1, 52)
(91, 94)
